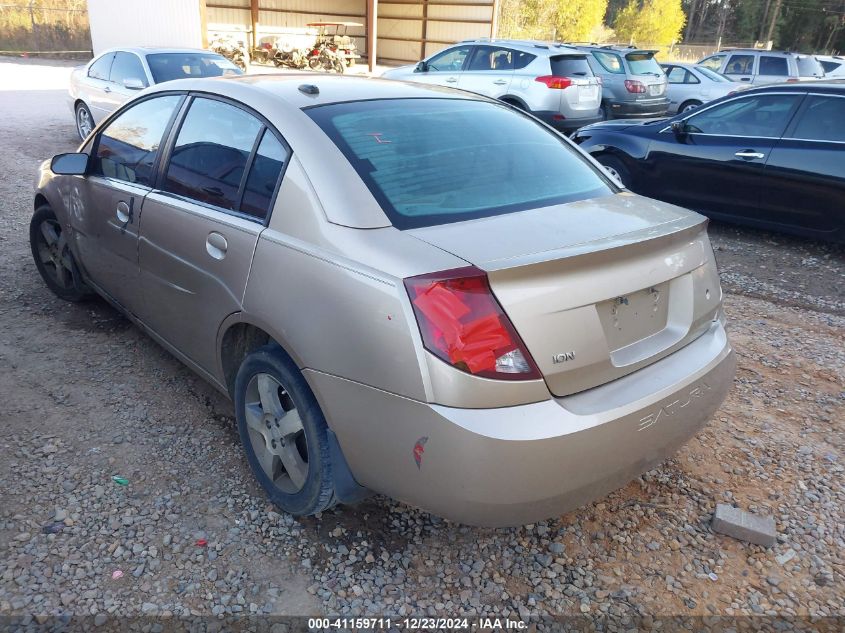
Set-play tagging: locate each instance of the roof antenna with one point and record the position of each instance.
(309, 89)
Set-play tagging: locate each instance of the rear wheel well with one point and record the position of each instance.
(40, 201)
(515, 102)
(239, 341)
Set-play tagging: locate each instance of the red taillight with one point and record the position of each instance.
(632, 85)
(792, 80)
(553, 82)
(462, 323)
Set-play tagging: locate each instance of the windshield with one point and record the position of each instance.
(643, 64)
(712, 75)
(170, 66)
(809, 67)
(434, 161)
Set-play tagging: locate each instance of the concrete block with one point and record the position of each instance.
(744, 525)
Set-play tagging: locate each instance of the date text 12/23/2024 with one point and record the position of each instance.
(416, 624)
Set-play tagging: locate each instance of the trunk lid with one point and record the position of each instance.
(596, 289)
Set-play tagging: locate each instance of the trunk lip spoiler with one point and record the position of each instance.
(673, 229)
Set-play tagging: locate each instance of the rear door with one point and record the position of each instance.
(718, 166)
(126, 66)
(201, 225)
(772, 69)
(805, 173)
(489, 71)
(445, 68)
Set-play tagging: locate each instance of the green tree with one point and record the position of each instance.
(567, 20)
(650, 21)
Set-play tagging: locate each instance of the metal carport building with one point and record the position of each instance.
(398, 31)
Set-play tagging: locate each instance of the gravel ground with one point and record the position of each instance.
(87, 396)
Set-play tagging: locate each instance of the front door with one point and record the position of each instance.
(806, 170)
(201, 226)
(717, 167)
(444, 69)
(107, 215)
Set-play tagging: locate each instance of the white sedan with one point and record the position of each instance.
(112, 78)
(690, 86)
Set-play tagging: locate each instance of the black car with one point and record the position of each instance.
(772, 157)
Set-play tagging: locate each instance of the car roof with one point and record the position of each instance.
(832, 86)
(762, 51)
(147, 50)
(286, 87)
(536, 47)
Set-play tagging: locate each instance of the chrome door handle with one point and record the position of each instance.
(106, 89)
(749, 153)
(124, 211)
(451, 80)
(500, 82)
(216, 245)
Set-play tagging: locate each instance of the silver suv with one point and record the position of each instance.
(634, 84)
(755, 66)
(551, 81)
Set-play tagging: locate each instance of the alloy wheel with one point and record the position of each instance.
(84, 124)
(54, 254)
(276, 433)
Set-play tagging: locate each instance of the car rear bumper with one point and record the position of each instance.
(515, 465)
(564, 122)
(635, 110)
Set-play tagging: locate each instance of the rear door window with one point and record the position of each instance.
(740, 65)
(101, 68)
(760, 115)
(211, 153)
(267, 166)
(822, 120)
(491, 58)
(770, 65)
(570, 66)
(128, 147)
(436, 161)
(127, 66)
(676, 74)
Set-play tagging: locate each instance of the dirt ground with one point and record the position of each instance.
(86, 395)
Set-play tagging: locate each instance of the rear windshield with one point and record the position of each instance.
(809, 67)
(170, 66)
(570, 66)
(712, 75)
(643, 64)
(434, 161)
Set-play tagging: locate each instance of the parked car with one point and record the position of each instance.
(633, 83)
(404, 288)
(833, 65)
(551, 81)
(756, 66)
(691, 85)
(110, 79)
(770, 157)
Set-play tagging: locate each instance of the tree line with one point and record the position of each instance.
(800, 25)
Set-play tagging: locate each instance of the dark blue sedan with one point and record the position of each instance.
(772, 157)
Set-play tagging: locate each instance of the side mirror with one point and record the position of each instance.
(74, 164)
(133, 84)
(422, 67)
(679, 128)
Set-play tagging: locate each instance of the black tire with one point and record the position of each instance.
(615, 164)
(80, 113)
(55, 262)
(688, 105)
(317, 492)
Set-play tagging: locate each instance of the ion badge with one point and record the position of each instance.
(419, 449)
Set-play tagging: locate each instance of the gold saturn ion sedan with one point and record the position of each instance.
(405, 289)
